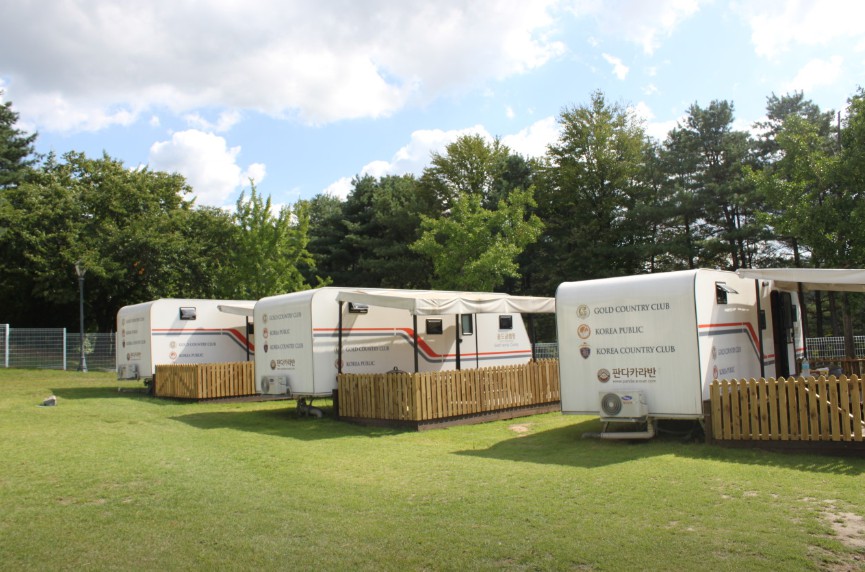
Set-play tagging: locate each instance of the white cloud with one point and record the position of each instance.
(340, 189)
(317, 62)
(657, 130)
(415, 156)
(776, 26)
(650, 89)
(816, 73)
(208, 164)
(620, 70)
(534, 139)
(637, 21)
(225, 121)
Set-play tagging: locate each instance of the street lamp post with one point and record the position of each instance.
(80, 271)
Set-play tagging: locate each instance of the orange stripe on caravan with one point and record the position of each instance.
(425, 348)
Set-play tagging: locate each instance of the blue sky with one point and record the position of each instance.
(303, 95)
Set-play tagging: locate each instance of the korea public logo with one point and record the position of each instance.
(584, 331)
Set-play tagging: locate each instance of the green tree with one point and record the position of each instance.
(475, 248)
(16, 147)
(122, 224)
(470, 166)
(269, 250)
(587, 193)
(326, 234)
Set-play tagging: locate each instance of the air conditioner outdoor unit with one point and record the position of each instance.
(623, 405)
(275, 385)
(128, 371)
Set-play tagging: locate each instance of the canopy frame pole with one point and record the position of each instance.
(247, 338)
(761, 321)
(477, 342)
(532, 338)
(414, 335)
(459, 338)
(339, 343)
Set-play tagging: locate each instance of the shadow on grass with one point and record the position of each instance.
(284, 423)
(98, 392)
(567, 446)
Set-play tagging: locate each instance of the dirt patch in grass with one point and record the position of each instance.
(848, 528)
(521, 428)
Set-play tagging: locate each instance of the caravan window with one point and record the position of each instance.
(506, 322)
(434, 327)
(355, 308)
(467, 324)
(187, 313)
(721, 291)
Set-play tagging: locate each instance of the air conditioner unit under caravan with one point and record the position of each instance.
(128, 371)
(623, 405)
(275, 385)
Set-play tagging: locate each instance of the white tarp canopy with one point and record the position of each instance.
(839, 279)
(239, 308)
(431, 303)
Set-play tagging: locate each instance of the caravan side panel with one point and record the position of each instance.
(195, 331)
(630, 333)
(283, 336)
(132, 344)
(728, 325)
(177, 331)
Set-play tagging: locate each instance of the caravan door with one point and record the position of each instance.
(783, 316)
(467, 351)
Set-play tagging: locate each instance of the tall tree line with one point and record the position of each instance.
(604, 200)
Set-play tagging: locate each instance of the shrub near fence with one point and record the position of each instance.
(794, 409)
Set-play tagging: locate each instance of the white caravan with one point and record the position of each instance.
(306, 338)
(647, 347)
(180, 331)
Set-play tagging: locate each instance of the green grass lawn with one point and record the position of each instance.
(118, 480)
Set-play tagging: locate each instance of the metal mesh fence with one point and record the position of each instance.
(833, 347)
(98, 351)
(547, 351)
(54, 348)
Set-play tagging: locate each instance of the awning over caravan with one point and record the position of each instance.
(239, 308)
(839, 279)
(427, 302)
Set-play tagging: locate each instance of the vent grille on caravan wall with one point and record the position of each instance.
(274, 385)
(623, 405)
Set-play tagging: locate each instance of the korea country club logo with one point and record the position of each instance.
(585, 351)
(603, 375)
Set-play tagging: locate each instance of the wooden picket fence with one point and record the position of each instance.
(440, 395)
(794, 409)
(205, 380)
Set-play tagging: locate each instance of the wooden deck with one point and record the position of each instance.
(437, 398)
(796, 409)
(205, 381)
